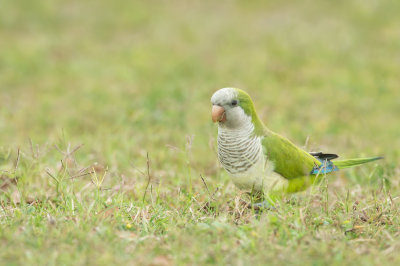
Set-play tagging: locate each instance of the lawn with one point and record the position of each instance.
(108, 151)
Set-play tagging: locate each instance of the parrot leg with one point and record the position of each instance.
(261, 201)
(266, 202)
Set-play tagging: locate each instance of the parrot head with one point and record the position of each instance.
(233, 108)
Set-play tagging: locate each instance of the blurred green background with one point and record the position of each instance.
(142, 72)
(125, 78)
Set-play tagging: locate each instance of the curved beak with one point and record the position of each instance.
(218, 113)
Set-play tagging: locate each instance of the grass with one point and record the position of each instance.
(107, 151)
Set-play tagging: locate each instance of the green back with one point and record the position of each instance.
(290, 161)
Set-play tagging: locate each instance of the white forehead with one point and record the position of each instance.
(223, 95)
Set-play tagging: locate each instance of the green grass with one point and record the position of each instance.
(126, 79)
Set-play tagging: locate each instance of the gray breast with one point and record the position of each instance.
(238, 151)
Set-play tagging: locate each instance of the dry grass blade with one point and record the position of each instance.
(148, 176)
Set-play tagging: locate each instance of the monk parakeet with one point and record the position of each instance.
(258, 159)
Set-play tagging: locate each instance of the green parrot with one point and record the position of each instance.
(259, 160)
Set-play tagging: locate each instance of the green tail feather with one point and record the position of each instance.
(353, 162)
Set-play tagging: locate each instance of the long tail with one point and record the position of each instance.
(353, 162)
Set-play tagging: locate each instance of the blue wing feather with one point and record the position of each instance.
(325, 167)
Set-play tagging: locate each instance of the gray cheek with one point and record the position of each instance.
(235, 117)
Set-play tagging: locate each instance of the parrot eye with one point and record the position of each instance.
(234, 102)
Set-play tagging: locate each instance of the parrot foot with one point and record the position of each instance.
(260, 206)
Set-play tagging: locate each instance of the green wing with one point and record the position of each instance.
(290, 161)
